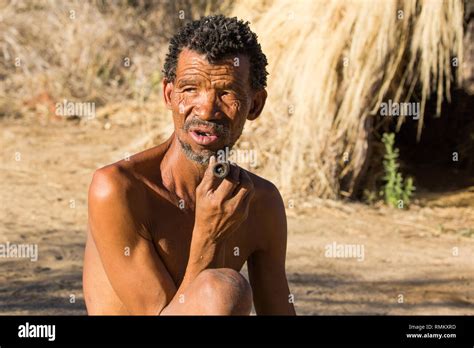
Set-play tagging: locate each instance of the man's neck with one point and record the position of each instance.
(180, 175)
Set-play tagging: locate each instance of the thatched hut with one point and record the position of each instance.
(333, 65)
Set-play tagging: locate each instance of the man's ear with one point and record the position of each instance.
(258, 103)
(167, 90)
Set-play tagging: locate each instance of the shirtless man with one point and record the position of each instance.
(166, 236)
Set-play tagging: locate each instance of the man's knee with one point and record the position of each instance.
(225, 291)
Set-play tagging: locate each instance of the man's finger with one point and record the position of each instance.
(228, 184)
(209, 181)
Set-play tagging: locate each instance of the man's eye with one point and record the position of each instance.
(190, 89)
(227, 93)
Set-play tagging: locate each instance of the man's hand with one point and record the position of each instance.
(222, 205)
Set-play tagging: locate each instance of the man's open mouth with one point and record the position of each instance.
(204, 136)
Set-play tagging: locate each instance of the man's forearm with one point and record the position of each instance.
(203, 254)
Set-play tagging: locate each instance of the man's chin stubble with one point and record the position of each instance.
(201, 158)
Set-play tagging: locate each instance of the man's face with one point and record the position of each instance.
(210, 103)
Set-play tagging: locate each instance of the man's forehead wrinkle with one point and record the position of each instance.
(214, 76)
(218, 81)
(187, 81)
(212, 69)
(192, 75)
(227, 83)
(222, 74)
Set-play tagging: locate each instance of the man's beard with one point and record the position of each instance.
(203, 156)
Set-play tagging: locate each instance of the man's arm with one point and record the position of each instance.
(267, 266)
(135, 270)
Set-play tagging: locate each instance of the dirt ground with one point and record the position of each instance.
(424, 256)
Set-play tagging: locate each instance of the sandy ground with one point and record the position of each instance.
(425, 254)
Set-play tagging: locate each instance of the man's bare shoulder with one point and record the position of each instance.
(267, 203)
(109, 181)
(127, 175)
(265, 191)
(117, 203)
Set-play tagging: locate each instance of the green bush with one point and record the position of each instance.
(396, 191)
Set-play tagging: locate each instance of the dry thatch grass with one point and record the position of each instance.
(331, 65)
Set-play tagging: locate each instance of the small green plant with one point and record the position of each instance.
(370, 197)
(467, 232)
(396, 191)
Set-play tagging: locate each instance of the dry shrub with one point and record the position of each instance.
(68, 50)
(93, 51)
(331, 64)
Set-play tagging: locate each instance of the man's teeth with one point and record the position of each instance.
(203, 133)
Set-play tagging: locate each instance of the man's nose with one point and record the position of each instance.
(208, 107)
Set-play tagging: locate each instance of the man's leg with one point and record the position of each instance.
(220, 291)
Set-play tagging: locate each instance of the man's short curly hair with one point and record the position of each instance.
(218, 37)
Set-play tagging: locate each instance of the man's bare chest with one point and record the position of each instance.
(172, 232)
